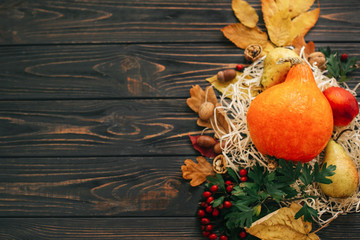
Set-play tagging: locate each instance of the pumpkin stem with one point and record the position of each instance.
(293, 60)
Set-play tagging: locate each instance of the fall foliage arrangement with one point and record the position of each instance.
(280, 148)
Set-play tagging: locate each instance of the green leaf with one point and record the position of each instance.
(321, 176)
(218, 201)
(233, 175)
(306, 176)
(217, 180)
(308, 212)
(257, 174)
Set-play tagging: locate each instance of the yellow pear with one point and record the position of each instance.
(275, 72)
(346, 178)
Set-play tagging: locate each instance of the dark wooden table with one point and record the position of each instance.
(93, 120)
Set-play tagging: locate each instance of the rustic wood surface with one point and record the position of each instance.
(93, 121)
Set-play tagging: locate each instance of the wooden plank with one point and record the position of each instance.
(112, 186)
(97, 21)
(96, 128)
(119, 71)
(136, 228)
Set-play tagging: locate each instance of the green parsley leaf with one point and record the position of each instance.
(308, 212)
(306, 176)
(218, 201)
(217, 180)
(233, 175)
(321, 176)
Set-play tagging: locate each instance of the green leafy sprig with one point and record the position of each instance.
(336, 67)
(264, 190)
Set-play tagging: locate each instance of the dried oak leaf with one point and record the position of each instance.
(282, 225)
(303, 23)
(297, 7)
(197, 172)
(243, 36)
(245, 13)
(197, 98)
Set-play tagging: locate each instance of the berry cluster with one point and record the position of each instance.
(214, 205)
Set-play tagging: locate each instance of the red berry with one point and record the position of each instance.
(221, 206)
(214, 188)
(205, 221)
(223, 237)
(209, 209)
(228, 182)
(229, 188)
(242, 234)
(215, 212)
(243, 172)
(204, 204)
(210, 199)
(206, 194)
(243, 179)
(201, 213)
(209, 227)
(205, 233)
(239, 67)
(212, 236)
(344, 57)
(202, 228)
(227, 204)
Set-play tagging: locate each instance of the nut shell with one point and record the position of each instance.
(226, 75)
(206, 141)
(253, 52)
(219, 164)
(206, 110)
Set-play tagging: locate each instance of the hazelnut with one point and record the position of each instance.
(226, 75)
(206, 110)
(253, 52)
(218, 148)
(205, 141)
(317, 57)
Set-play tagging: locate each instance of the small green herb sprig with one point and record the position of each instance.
(338, 66)
(263, 191)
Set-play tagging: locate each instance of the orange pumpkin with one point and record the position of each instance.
(291, 120)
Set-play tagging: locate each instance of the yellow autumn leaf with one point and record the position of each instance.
(269, 8)
(221, 86)
(297, 7)
(243, 36)
(279, 28)
(245, 13)
(303, 23)
(282, 225)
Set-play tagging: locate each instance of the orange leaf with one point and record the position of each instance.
(299, 42)
(197, 172)
(243, 36)
(245, 13)
(303, 23)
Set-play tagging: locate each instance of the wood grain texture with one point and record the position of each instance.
(103, 186)
(97, 21)
(136, 228)
(96, 128)
(119, 71)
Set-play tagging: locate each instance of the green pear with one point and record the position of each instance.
(346, 178)
(275, 73)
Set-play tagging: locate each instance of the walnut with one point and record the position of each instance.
(319, 58)
(219, 164)
(253, 52)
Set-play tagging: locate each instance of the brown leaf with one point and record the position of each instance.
(297, 7)
(303, 23)
(282, 225)
(197, 172)
(245, 13)
(299, 42)
(243, 36)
